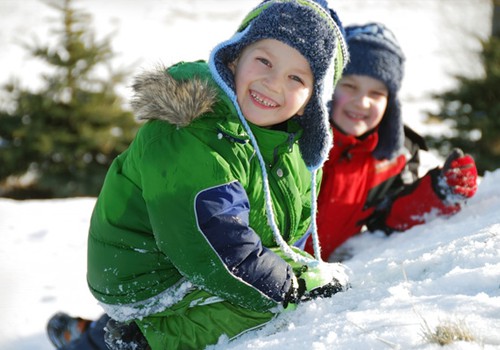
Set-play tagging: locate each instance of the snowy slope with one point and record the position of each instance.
(445, 270)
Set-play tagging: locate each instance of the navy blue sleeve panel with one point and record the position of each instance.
(223, 217)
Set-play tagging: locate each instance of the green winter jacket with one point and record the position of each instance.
(183, 207)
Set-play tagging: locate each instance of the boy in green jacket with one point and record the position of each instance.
(191, 235)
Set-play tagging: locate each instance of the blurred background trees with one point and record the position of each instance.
(60, 140)
(472, 109)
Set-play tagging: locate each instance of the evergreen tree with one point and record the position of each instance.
(473, 109)
(67, 133)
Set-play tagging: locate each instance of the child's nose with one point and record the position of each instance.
(272, 82)
(363, 101)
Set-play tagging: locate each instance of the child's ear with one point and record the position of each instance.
(232, 65)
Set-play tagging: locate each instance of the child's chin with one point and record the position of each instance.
(357, 131)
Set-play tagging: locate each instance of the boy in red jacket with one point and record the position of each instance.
(370, 178)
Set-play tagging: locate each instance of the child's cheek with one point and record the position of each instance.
(339, 100)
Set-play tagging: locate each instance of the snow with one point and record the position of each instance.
(447, 270)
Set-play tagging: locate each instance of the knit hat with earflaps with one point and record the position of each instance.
(309, 27)
(375, 52)
(315, 31)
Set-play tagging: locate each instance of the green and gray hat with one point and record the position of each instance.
(314, 30)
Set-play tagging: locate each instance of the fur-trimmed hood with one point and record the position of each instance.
(178, 101)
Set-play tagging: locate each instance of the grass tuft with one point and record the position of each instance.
(448, 332)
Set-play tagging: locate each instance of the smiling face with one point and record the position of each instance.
(360, 104)
(273, 82)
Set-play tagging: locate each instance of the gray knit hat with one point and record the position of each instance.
(375, 52)
(315, 31)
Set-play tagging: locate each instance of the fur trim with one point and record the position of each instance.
(157, 95)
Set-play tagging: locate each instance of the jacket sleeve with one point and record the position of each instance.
(222, 215)
(410, 200)
(199, 213)
(416, 204)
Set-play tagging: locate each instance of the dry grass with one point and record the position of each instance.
(448, 332)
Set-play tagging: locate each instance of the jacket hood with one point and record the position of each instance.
(177, 96)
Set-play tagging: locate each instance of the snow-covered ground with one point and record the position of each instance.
(444, 271)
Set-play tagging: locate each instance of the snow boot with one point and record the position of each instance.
(76, 333)
(62, 328)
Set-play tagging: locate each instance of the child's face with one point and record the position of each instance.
(360, 103)
(273, 82)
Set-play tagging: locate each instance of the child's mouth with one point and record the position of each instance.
(260, 100)
(355, 116)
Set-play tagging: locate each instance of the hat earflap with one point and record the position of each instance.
(390, 131)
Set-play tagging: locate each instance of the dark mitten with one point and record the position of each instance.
(458, 176)
(124, 336)
(294, 294)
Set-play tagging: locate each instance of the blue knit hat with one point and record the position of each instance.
(314, 30)
(375, 52)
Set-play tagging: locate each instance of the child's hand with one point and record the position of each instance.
(321, 281)
(460, 174)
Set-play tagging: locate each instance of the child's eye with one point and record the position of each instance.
(378, 94)
(297, 79)
(348, 85)
(264, 61)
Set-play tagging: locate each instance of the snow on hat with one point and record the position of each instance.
(316, 32)
(375, 52)
(309, 27)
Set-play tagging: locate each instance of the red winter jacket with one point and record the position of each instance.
(358, 190)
